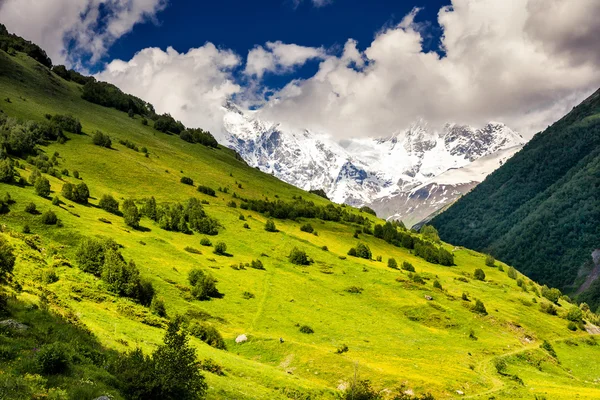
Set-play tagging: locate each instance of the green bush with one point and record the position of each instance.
(7, 258)
(53, 358)
(31, 208)
(208, 334)
(306, 329)
(49, 276)
(205, 242)
(257, 264)
(512, 273)
(479, 307)
(187, 181)
(574, 314)
(194, 276)
(325, 248)
(67, 123)
(206, 190)
(572, 326)
(248, 295)
(109, 204)
(354, 290)
(360, 390)
(209, 365)
(270, 226)
(90, 256)
(49, 218)
(479, 274)
(220, 248)
(131, 214)
(232, 204)
(78, 193)
(408, 266)
(298, 257)
(548, 308)
(205, 288)
(437, 284)
(307, 228)
(157, 307)
(101, 139)
(42, 186)
(7, 172)
(548, 347)
(490, 261)
(392, 263)
(551, 294)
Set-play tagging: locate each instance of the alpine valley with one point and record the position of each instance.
(408, 175)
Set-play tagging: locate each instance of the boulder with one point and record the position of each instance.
(12, 324)
(241, 339)
(427, 297)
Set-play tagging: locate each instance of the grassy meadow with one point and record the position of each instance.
(395, 336)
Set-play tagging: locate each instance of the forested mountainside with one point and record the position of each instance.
(540, 211)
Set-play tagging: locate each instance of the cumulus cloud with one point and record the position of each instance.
(279, 58)
(504, 61)
(316, 3)
(191, 86)
(71, 29)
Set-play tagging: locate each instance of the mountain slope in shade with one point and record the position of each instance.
(364, 171)
(541, 210)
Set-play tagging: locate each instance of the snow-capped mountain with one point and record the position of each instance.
(366, 171)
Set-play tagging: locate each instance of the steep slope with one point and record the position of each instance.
(366, 317)
(365, 171)
(540, 211)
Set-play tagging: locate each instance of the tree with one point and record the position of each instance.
(551, 294)
(7, 172)
(130, 113)
(220, 248)
(42, 187)
(479, 274)
(270, 226)
(298, 257)
(512, 273)
(7, 258)
(392, 263)
(81, 193)
(429, 232)
(479, 307)
(178, 375)
(363, 251)
(490, 261)
(109, 204)
(131, 215)
(157, 306)
(90, 256)
(49, 218)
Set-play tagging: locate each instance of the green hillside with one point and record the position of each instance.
(540, 211)
(442, 329)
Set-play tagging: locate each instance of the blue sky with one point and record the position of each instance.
(240, 25)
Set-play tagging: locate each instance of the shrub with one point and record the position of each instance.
(360, 390)
(437, 284)
(221, 248)
(26, 229)
(131, 214)
(42, 186)
(248, 295)
(479, 307)
(368, 210)
(325, 248)
(500, 365)
(53, 358)
(90, 256)
(548, 308)
(123, 278)
(465, 296)
(246, 226)
(102, 140)
(7, 171)
(574, 314)
(392, 263)
(186, 181)
(205, 242)
(363, 251)
(306, 329)
(157, 306)
(572, 326)
(270, 226)
(31, 208)
(512, 273)
(192, 250)
(232, 204)
(429, 232)
(551, 294)
(194, 276)
(205, 288)
(479, 274)
(352, 252)
(55, 201)
(548, 347)
(490, 261)
(7, 257)
(67, 123)
(109, 204)
(342, 349)
(206, 190)
(257, 264)
(416, 278)
(49, 218)
(208, 334)
(298, 257)
(408, 266)
(307, 228)
(209, 365)
(76, 174)
(354, 290)
(49, 276)
(78, 193)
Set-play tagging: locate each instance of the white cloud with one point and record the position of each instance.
(191, 86)
(279, 58)
(525, 63)
(89, 26)
(316, 3)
